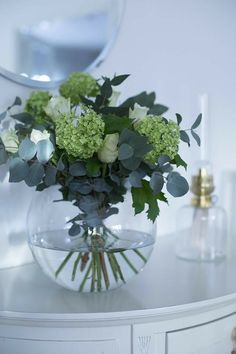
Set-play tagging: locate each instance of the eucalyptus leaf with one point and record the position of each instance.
(157, 182)
(45, 150)
(179, 118)
(82, 187)
(24, 117)
(197, 122)
(132, 163)
(177, 185)
(100, 185)
(18, 169)
(135, 178)
(35, 174)
(196, 137)
(3, 155)
(50, 176)
(3, 115)
(77, 169)
(27, 149)
(184, 137)
(163, 159)
(125, 151)
(74, 230)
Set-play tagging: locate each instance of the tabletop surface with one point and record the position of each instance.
(165, 282)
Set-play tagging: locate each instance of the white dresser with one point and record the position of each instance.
(172, 307)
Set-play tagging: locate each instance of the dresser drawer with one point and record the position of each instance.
(211, 338)
(16, 346)
(36, 340)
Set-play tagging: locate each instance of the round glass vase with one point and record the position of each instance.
(98, 259)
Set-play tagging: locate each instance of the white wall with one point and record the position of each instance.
(180, 49)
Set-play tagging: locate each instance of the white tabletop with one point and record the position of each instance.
(166, 283)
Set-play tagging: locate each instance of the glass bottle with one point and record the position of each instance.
(201, 227)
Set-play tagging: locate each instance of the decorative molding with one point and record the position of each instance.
(144, 344)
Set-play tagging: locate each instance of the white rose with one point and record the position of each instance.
(58, 106)
(109, 151)
(10, 141)
(37, 135)
(114, 98)
(138, 113)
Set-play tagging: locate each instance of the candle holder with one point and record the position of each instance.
(201, 229)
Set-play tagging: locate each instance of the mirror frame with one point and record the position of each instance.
(45, 85)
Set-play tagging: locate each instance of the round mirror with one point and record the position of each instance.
(43, 41)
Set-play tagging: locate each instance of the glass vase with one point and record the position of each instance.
(100, 258)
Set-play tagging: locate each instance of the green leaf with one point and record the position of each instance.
(24, 117)
(125, 151)
(197, 122)
(106, 89)
(117, 111)
(161, 196)
(196, 137)
(184, 137)
(114, 124)
(93, 168)
(35, 174)
(157, 182)
(143, 99)
(179, 162)
(158, 109)
(145, 195)
(50, 176)
(18, 170)
(179, 118)
(177, 185)
(77, 169)
(45, 150)
(117, 80)
(27, 149)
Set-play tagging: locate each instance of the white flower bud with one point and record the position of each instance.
(138, 113)
(114, 98)
(58, 106)
(109, 151)
(10, 141)
(37, 135)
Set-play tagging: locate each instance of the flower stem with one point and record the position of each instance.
(85, 277)
(104, 269)
(128, 262)
(76, 263)
(62, 265)
(140, 255)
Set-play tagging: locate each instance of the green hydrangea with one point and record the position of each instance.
(79, 84)
(36, 103)
(164, 137)
(83, 138)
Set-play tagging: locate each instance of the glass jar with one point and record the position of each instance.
(101, 258)
(201, 233)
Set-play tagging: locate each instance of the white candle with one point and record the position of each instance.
(204, 106)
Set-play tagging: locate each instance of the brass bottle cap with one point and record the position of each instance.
(202, 187)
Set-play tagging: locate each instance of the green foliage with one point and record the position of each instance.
(145, 195)
(92, 149)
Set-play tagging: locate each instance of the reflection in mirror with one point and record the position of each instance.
(43, 41)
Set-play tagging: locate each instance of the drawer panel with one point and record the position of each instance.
(211, 338)
(16, 346)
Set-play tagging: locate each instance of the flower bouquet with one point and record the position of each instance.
(97, 152)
